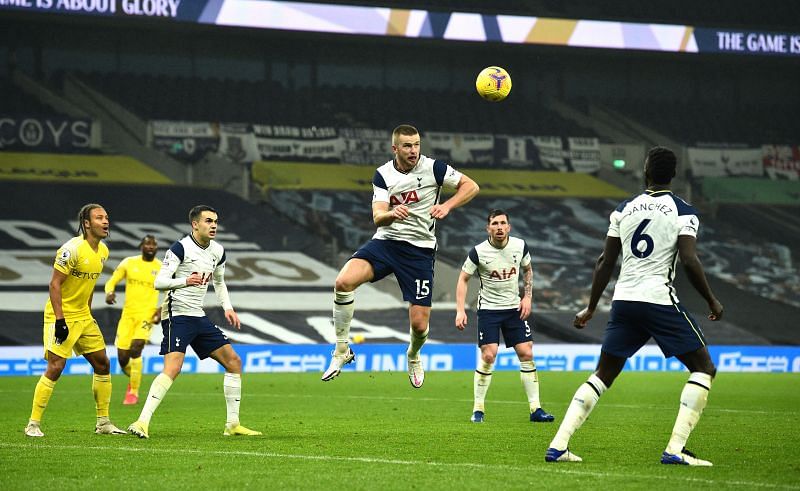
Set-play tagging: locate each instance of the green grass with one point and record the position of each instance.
(373, 431)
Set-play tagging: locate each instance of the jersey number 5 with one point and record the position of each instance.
(638, 237)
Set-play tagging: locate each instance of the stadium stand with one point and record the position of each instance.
(565, 237)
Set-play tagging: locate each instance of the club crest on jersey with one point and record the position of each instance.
(404, 198)
(503, 274)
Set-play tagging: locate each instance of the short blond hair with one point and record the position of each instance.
(405, 130)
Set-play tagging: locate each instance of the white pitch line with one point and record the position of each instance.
(255, 395)
(553, 468)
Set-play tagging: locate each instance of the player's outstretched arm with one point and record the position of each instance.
(687, 250)
(462, 285)
(603, 269)
(465, 191)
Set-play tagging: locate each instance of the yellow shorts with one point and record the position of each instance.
(84, 337)
(130, 328)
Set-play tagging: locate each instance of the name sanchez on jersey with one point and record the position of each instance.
(648, 226)
(419, 190)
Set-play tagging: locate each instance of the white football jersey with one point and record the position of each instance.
(419, 190)
(498, 270)
(181, 260)
(648, 226)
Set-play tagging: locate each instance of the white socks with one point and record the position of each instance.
(343, 306)
(481, 382)
(579, 409)
(232, 387)
(417, 340)
(693, 400)
(158, 389)
(530, 382)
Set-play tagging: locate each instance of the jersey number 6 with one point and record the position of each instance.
(639, 236)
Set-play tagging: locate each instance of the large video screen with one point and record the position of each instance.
(424, 24)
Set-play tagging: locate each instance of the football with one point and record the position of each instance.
(493, 84)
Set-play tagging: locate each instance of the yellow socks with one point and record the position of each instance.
(41, 396)
(101, 388)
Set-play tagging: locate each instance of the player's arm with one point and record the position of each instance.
(527, 292)
(221, 290)
(165, 279)
(61, 329)
(111, 284)
(603, 269)
(687, 250)
(462, 286)
(465, 191)
(56, 281)
(383, 215)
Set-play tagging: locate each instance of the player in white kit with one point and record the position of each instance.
(405, 207)
(499, 261)
(189, 265)
(651, 231)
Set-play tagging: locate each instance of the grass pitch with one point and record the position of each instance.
(373, 431)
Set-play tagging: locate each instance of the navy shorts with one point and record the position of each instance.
(491, 322)
(411, 265)
(632, 324)
(198, 332)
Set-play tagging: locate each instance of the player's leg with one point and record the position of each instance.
(124, 359)
(135, 364)
(530, 382)
(419, 317)
(583, 402)
(679, 335)
(137, 340)
(178, 331)
(101, 390)
(353, 274)
(483, 375)
(232, 388)
(43, 392)
(518, 333)
(694, 397)
(623, 337)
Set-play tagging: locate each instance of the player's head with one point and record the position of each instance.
(149, 247)
(204, 223)
(93, 221)
(498, 226)
(405, 145)
(659, 166)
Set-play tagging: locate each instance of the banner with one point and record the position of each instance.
(81, 168)
(781, 161)
(274, 358)
(584, 154)
(551, 155)
(304, 143)
(460, 149)
(719, 162)
(45, 134)
(237, 143)
(514, 151)
(366, 146)
(183, 140)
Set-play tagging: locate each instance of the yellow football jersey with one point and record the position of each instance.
(83, 267)
(141, 298)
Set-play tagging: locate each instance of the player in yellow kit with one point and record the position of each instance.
(139, 313)
(68, 323)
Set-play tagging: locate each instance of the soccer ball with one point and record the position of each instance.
(493, 83)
